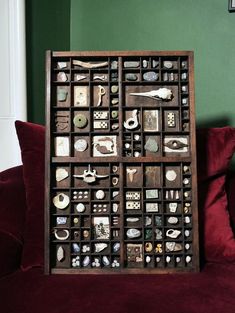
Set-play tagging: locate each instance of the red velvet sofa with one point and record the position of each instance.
(25, 289)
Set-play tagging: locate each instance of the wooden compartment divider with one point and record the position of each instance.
(121, 180)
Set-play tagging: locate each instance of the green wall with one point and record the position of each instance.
(47, 28)
(204, 26)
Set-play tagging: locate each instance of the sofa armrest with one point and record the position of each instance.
(12, 218)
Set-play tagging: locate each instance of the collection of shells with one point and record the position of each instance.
(143, 217)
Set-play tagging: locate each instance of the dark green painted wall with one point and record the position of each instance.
(204, 26)
(47, 27)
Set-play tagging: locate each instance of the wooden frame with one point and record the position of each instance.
(231, 6)
(142, 202)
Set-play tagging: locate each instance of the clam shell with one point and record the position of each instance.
(80, 145)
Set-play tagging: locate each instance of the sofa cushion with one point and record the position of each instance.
(31, 139)
(211, 291)
(213, 163)
(215, 148)
(12, 217)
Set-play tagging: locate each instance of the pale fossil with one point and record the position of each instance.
(89, 176)
(159, 94)
(89, 65)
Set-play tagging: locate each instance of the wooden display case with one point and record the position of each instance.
(121, 182)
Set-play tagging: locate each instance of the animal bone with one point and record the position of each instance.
(130, 173)
(89, 176)
(132, 122)
(101, 93)
(160, 94)
(89, 65)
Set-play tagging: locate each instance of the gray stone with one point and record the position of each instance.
(131, 77)
(145, 63)
(76, 248)
(151, 145)
(133, 233)
(150, 76)
(114, 89)
(128, 64)
(155, 63)
(116, 247)
(168, 64)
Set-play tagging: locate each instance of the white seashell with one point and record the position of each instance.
(105, 260)
(173, 220)
(60, 254)
(116, 247)
(168, 259)
(168, 64)
(178, 259)
(187, 246)
(188, 259)
(79, 77)
(80, 207)
(115, 207)
(61, 174)
(173, 246)
(173, 233)
(158, 259)
(136, 137)
(100, 194)
(171, 175)
(173, 207)
(148, 221)
(148, 259)
(115, 194)
(132, 219)
(80, 145)
(187, 233)
(187, 220)
(61, 201)
(133, 233)
(100, 246)
(86, 261)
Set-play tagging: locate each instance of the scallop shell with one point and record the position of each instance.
(61, 174)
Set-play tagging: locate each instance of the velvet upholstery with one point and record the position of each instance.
(217, 240)
(12, 215)
(211, 291)
(32, 144)
(215, 148)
